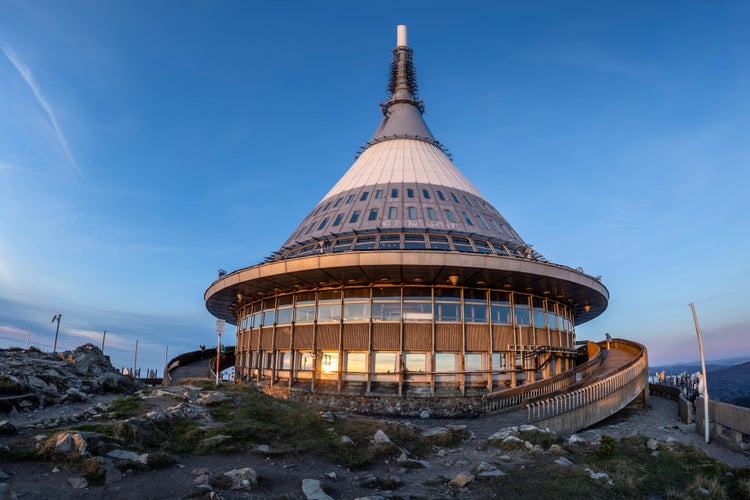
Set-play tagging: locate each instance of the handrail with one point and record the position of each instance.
(603, 387)
(553, 385)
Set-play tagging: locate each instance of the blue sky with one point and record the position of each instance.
(145, 145)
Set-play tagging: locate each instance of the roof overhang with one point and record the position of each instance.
(586, 295)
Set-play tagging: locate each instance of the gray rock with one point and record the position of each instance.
(425, 414)
(211, 399)
(381, 437)
(492, 473)
(437, 432)
(652, 444)
(598, 475)
(576, 439)
(484, 467)
(327, 416)
(78, 482)
(557, 450)
(7, 429)
(215, 441)
(3, 476)
(503, 433)
(242, 479)
(202, 479)
(563, 461)
(348, 440)
(313, 490)
(128, 456)
(263, 448)
(71, 443)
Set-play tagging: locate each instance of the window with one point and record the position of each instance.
(349, 198)
(540, 312)
(417, 304)
(414, 242)
(304, 361)
(475, 306)
(284, 360)
(337, 220)
(378, 194)
(521, 310)
(440, 195)
(310, 228)
(445, 362)
(472, 362)
(329, 362)
(439, 242)
(431, 213)
(304, 309)
(327, 205)
(386, 304)
(343, 244)
(410, 193)
(394, 193)
(373, 214)
(390, 242)
(494, 224)
(392, 212)
(462, 244)
(449, 216)
(482, 246)
(498, 361)
(481, 222)
(412, 213)
(364, 196)
(447, 305)
(426, 194)
(284, 316)
(467, 201)
(338, 202)
(355, 217)
(323, 224)
(500, 308)
(467, 218)
(329, 306)
(356, 304)
(365, 243)
(356, 362)
(455, 198)
(385, 362)
(415, 361)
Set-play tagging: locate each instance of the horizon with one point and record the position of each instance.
(139, 156)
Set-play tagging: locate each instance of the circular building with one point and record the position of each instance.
(405, 282)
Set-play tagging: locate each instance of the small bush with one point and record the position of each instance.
(607, 447)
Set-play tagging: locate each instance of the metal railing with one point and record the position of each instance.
(594, 392)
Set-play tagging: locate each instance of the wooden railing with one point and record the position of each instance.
(551, 386)
(632, 375)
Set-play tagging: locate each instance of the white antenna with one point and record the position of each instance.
(401, 36)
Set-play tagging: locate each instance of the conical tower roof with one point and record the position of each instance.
(403, 182)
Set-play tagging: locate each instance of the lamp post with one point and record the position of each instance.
(219, 331)
(703, 367)
(56, 317)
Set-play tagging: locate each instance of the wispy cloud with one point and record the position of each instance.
(7, 166)
(25, 73)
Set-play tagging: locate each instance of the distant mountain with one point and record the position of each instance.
(730, 384)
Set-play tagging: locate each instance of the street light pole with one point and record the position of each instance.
(703, 367)
(219, 331)
(56, 317)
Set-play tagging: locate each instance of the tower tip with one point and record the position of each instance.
(401, 38)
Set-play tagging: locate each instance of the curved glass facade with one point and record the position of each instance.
(406, 336)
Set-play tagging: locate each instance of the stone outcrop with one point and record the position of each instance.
(32, 379)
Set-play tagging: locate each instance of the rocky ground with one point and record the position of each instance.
(494, 450)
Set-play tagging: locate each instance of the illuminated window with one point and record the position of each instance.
(329, 362)
(415, 361)
(356, 362)
(385, 362)
(472, 362)
(445, 362)
(284, 360)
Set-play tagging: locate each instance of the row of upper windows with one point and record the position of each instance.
(392, 214)
(445, 305)
(397, 241)
(410, 193)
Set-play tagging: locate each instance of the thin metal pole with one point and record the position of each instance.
(166, 359)
(135, 358)
(104, 336)
(703, 367)
(218, 357)
(57, 330)
(28, 337)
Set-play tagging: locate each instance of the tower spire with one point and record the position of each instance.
(402, 111)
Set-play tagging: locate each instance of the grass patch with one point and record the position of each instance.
(128, 407)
